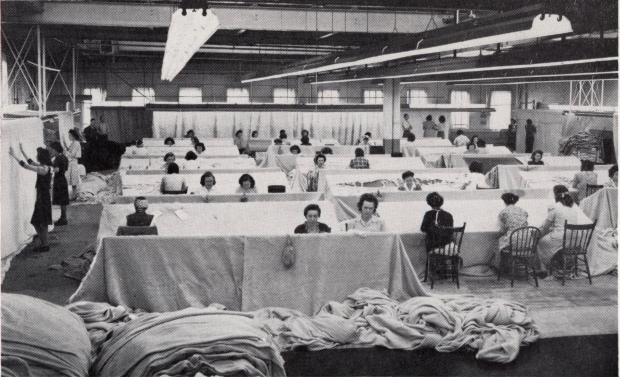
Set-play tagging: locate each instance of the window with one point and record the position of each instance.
(459, 99)
(190, 95)
(328, 97)
(284, 95)
(373, 96)
(142, 96)
(237, 95)
(501, 101)
(417, 97)
(98, 97)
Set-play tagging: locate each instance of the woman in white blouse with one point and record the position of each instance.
(475, 179)
(207, 184)
(173, 183)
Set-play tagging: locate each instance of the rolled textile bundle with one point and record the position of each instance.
(187, 342)
(42, 339)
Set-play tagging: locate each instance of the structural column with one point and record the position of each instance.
(392, 130)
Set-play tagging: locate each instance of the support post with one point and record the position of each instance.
(39, 73)
(391, 115)
(44, 74)
(74, 79)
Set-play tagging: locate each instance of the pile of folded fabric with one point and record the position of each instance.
(99, 188)
(583, 145)
(39, 338)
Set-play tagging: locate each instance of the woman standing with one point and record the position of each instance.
(442, 127)
(42, 214)
(73, 152)
(60, 192)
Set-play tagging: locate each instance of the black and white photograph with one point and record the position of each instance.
(200, 188)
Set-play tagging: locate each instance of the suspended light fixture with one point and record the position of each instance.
(541, 26)
(188, 31)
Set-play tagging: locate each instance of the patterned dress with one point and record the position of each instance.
(510, 218)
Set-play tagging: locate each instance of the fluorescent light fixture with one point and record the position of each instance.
(185, 37)
(514, 77)
(441, 106)
(549, 26)
(583, 108)
(326, 35)
(480, 69)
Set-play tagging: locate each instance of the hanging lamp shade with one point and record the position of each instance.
(186, 35)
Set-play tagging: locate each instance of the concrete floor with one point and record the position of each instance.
(578, 308)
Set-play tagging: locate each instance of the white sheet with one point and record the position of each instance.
(137, 185)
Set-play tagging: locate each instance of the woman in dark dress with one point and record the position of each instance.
(42, 214)
(312, 225)
(434, 220)
(536, 158)
(60, 191)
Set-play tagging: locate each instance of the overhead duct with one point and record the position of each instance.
(524, 24)
(188, 31)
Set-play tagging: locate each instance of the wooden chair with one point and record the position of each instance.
(591, 189)
(575, 247)
(521, 250)
(137, 231)
(446, 256)
(180, 192)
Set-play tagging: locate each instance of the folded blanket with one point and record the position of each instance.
(42, 339)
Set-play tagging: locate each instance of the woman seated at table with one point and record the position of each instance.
(510, 218)
(169, 141)
(359, 162)
(409, 183)
(140, 150)
(246, 185)
(471, 149)
(367, 220)
(367, 135)
(189, 134)
(410, 137)
(536, 158)
(433, 220)
(173, 183)
(312, 225)
(199, 147)
(295, 149)
(305, 140)
(191, 161)
(585, 177)
(169, 158)
(305, 134)
(207, 184)
(552, 230)
(239, 142)
(313, 175)
(475, 140)
(613, 177)
(475, 179)
(482, 147)
(460, 140)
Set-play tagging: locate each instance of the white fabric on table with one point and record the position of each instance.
(206, 162)
(159, 273)
(180, 152)
(408, 149)
(187, 142)
(233, 198)
(603, 207)
(289, 162)
(234, 219)
(351, 184)
(139, 185)
(510, 177)
(571, 161)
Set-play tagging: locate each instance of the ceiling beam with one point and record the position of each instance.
(234, 18)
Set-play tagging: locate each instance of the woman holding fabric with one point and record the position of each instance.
(73, 152)
(173, 183)
(42, 214)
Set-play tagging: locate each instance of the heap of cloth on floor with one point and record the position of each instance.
(213, 340)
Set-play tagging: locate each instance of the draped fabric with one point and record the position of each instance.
(345, 126)
(124, 123)
(18, 192)
(552, 127)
